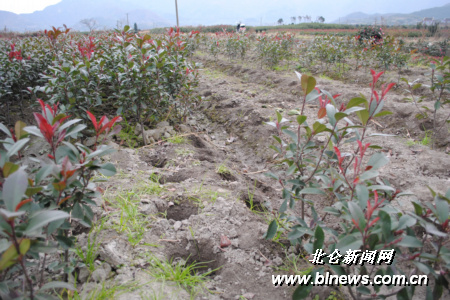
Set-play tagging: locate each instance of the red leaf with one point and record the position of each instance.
(59, 186)
(386, 90)
(374, 221)
(356, 224)
(110, 124)
(22, 203)
(64, 200)
(93, 119)
(45, 128)
(322, 112)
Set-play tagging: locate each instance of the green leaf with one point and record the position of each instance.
(362, 193)
(348, 242)
(355, 102)
(24, 246)
(271, 175)
(42, 218)
(9, 168)
(68, 124)
(272, 231)
(311, 84)
(57, 285)
(331, 111)
(431, 229)
(14, 189)
(385, 221)
(442, 208)
(410, 242)
(108, 169)
(301, 292)
(18, 129)
(319, 237)
(363, 116)
(43, 173)
(5, 130)
(34, 131)
(340, 115)
(77, 211)
(298, 232)
(381, 187)
(432, 191)
(318, 127)
(279, 117)
(357, 214)
(293, 112)
(312, 96)
(71, 132)
(363, 290)
(406, 221)
(368, 175)
(103, 150)
(17, 147)
(423, 267)
(301, 119)
(8, 258)
(313, 191)
(9, 215)
(383, 113)
(378, 160)
(403, 294)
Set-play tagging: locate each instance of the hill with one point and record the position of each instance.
(438, 13)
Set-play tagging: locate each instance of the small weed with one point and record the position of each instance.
(186, 276)
(196, 163)
(131, 221)
(426, 141)
(103, 293)
(176, 139)
(89, 254)
(127, 134)
(293, 265)
(223, 170)
(323, 76)
(183, 152)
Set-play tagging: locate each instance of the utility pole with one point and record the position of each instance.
(176, 9)
(127, 20)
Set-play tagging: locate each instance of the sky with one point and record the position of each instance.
(25, 6)
(329, 8)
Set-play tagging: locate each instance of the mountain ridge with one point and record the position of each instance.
(152, 13)
(438, 13)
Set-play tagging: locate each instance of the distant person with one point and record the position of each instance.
(238, 27)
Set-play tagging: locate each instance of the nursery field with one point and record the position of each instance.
(196, 166)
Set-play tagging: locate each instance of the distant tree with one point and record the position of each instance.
(321, 19)
(280, 21)
(90, 23)
(293, 19)
(299, 19)
(135, 28)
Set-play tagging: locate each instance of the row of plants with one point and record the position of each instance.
(343, 174)
(144, 78)
(363, 50)
(43, 200)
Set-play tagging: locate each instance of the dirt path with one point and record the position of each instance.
(190, 194)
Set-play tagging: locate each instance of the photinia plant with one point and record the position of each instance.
(343, 172)
(36, 201)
